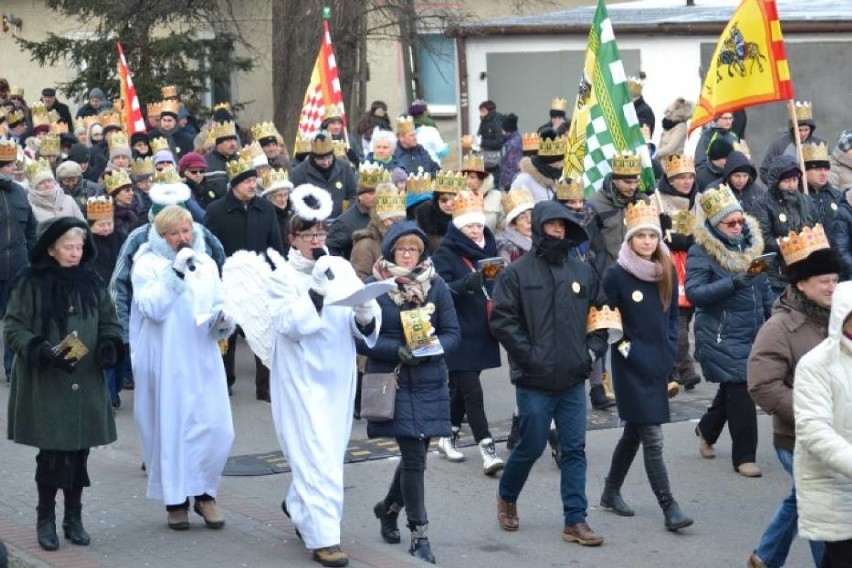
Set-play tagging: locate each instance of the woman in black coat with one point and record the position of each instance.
(468, 241)
(643, 287)
(422, 402)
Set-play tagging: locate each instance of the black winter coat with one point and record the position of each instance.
(752, 193)
(786, 145)
(64, 113)
(827, 201)
(204, 193)
(412, 159)
(706, 174)
(841, 235)
(540, 312)
(491, 131)
(479, 349)
(726, 319)
(339, 240)
(253, 228)
(180, 141)
(341, 182)
(108, 248)
(19, 225)
(216, 177)
(645, 114)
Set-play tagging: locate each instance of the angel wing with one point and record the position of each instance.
(245, 280)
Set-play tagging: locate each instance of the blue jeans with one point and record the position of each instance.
(536, 409)
(775, 544)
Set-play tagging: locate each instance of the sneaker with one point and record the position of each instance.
(705, 448)
(491, 462)
(507, 514)
(749, 469)
(582, 534)
(178, 519)
(209, 511)
(447, 448)
(331, 556)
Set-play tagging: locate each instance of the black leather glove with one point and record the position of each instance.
(107, 354)
(473, 281)
(317, 299)
(742, 280)
(46, 357)
(406, 357)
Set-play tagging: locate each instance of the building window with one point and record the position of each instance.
(437, 61)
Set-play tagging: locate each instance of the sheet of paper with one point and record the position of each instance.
(369, 292)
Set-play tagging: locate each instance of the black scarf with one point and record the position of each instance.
(669, 124)
(63, 290)
(546, 169)
(325, 172)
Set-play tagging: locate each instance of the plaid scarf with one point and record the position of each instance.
(412, 285)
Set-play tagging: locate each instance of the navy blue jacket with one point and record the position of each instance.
(414, 158)
(641, 379)
(19, 227)
(479, 350)
(422, 401)
(841, 234)
(726, 319)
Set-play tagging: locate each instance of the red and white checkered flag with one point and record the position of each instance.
(323, 90)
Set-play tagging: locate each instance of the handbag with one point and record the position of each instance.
(378, 395)
(491, 158)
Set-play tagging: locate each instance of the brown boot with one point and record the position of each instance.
(582, 534)
(507, 515)
(331, 556)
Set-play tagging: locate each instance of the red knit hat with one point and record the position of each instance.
(192, 160)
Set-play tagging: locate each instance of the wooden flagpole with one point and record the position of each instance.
(791, 110)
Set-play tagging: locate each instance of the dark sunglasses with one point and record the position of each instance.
(195, 172)
(734, 223)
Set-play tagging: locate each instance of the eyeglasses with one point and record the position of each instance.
(308, 237)
(195, 172)
(406, 250)
(734, 223)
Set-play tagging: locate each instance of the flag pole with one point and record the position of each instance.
(791, 111)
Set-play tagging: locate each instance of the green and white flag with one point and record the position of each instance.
(604, 121)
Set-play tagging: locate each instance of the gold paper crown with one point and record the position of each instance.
(154, 109)
(370, 174)
(99, 208)
(110, 118)
(473, 163)
(275, 179)
(157, 144)
(530, 142)
(15, 116)
(40, 114)
(171, 106)
(16, 92)
(169, 92)
(605, 318)
(552, 147)
(517, 197)
(797, 247)
(167, 176)
(322, 145)
(88, 121)
(119, 140)
(569, 189)
(333, 111)
(389, 201)
(815, 152)
(641, 214)
(339, 148)
(39, 166)
(742, 146)
(226, 106)
(116, 180)
(239, 166)
(143, 167)
(467, 202)
(58, 128)
(626, 164)
(264, 130)
(303, 145)
(677, 164)
(635, 85)
(223, 130)
(250, 151)
(559, 104)
(8, 151)
(448, 181)
(418, 183)
(804, 111)
(49, 145)
(716, 200)
(404, 124)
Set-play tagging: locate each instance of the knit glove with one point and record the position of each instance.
(406, 357)
(107, 354)
(473, 281)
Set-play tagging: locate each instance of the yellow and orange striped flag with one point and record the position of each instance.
(749, 66)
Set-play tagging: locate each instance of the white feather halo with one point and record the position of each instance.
(320, 211)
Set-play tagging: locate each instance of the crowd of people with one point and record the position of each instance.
(112, 279)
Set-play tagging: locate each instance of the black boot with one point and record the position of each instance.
(600, 401)
(611, 500)
(513, 433)
(46, 528)
(690, 382)
(420, 547)
(555, 450)
(675, 519)
(72, 525)
(388, 515)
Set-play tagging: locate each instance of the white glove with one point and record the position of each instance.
(365, 313)
(320, 280)
(182, 259)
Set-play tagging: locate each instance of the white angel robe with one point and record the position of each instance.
(181, 401)
(312, 386)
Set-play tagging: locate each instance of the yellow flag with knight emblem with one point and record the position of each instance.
(749, 66)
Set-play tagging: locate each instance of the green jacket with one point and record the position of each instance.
(48, 408)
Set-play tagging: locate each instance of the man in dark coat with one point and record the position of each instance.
(357, 217)
(48, 97)
(490, 136)
(786, 143)
(784, 208)
(225, 135)
(551, 355)
(741, 176)
(825, 196)
(244, 221)
(409, 155)
(94, 105)
(713, 167)
(180, 141)
(324, 170)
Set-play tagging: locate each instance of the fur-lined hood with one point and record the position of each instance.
(680, 110)
(730, 260)
(526, 166)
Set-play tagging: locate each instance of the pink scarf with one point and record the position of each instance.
(642, 269)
